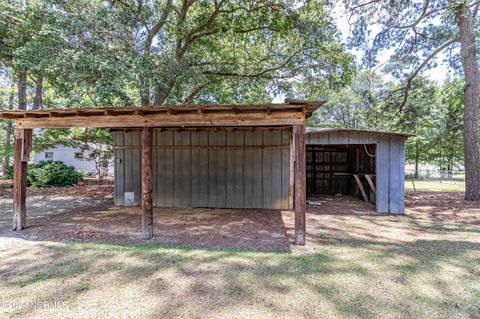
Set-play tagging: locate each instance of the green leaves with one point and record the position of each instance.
(94, 52)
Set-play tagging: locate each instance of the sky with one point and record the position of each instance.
(439, 73)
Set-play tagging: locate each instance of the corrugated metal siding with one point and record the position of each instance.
(208, 168)
(390, 164)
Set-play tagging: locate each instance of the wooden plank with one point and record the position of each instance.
(300, 183)
(397, 177)
(267, 171)
(20, 179)
(360, 187)
(221, 170)
(169, 171)
(382, 173)
(368, 177)
(285, 170)
(257, 201)
(239, 136)
(147, 181)
(212, 168)
(166, 120)
(249, 171)
(277, 170)
(300, 106)
(27, 144)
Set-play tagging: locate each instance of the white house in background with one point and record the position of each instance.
(72, 156)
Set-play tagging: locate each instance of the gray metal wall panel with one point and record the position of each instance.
(203, 170)
(160, 163)
(212, 169)
(169, 169)
(397, 175)
(285, 158)
(221, 169)
(267, 171)
(382, 165)
(258, 178)
(277, 171)
(230, 170)
(119, 168)
(249, 170)
(239, 169)
(216, 168)
(137, 168)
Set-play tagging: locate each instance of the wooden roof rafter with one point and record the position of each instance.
(288, 113)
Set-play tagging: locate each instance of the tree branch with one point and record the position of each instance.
(411, 77)
(157, 27)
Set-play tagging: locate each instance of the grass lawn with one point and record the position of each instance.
(365, 266)
(435, 186)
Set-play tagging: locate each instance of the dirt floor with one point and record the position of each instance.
(85, 214)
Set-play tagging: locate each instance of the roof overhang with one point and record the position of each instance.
(289, 113)
(316, 130)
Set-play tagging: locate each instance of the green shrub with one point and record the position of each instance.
(52, 174)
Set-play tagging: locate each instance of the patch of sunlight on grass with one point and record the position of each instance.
(435, 186)
(356, 277)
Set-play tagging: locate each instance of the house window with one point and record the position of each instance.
(49, 155)
(78, 155)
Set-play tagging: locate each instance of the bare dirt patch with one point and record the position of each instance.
(85, 214)
(445, 206)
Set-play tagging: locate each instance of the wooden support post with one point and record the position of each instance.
(23, 143)
(300, 183)
(147, 188)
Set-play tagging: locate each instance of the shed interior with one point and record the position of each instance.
(341, 169)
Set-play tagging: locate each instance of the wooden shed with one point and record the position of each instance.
(227, 156)
(367, 164)
(238, 156)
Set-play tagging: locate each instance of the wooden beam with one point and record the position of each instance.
(360, 187)
(23, 142)
(371, 183)
(300, 183)
(165, 120)
(147, 185)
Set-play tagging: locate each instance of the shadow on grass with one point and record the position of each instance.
(225, 278)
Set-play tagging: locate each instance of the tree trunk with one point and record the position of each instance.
(22, 90)
(471, 117)
(144, 92)
(37, 101)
